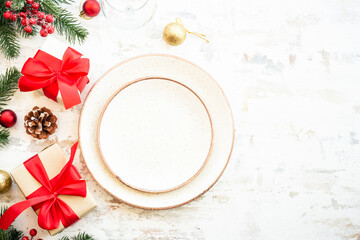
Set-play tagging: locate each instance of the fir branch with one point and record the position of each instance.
(80, 236)
(83, 236)
(63, 1)
(65, 23)
(4, 139)
(9, 43)
(8, 84)
(65, 238)
(2, 210)
(17, 5)
(12, 233)
(21, 31)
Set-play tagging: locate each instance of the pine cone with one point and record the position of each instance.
(40, 123)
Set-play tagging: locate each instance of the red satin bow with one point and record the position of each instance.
(69, 75)
(52, 209)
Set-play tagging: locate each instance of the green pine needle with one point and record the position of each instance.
(65, 238)
(80, 236)
(65, 23)
(9, 42)
(21, 31)
(8, 85)
(2, 210)
(63, 1)
(17, 5)
(4, 138)
(12, 233)
(83, 236)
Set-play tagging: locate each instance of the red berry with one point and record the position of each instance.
(34, 11)
(32, 21)
(29, 1)
(28, 29)
(35, 5)
(22, 14)
(44, 26)
(39, 22)
(33, 232)
(51, 29)
(43, 32)
(8, 4)
(13, 17)
(24, 22)
(91, 8)
(49, 18)
(41, 15)
(7, 15)
(25, 238)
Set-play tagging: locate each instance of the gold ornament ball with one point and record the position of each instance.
(5, 181)
(174, 34)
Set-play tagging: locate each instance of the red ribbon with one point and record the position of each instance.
(69, 75)
(52, 209)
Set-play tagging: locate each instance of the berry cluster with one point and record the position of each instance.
(32, 233)
(31, 16)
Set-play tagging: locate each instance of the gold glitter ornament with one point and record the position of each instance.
(5, 181)
(175, 33)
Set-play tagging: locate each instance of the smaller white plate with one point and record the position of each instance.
(155, 134)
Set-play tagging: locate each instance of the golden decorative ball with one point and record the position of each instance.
(174, 34)
(5, 181)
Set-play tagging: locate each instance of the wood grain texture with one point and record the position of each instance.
(291, 73)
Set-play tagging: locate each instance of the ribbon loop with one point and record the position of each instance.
(67, 76)
(52, 209)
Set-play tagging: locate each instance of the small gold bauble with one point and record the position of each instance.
(174, 34)
(5, 181)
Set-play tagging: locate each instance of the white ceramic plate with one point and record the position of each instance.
(155, 134)
(178, 70)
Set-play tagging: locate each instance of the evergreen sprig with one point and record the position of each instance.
(63, 1)
(21, 31)
(80, 236)
(4, 138)
(65, 23)
(12, 233)
(8, 85)
(17, 4)
(9, 42)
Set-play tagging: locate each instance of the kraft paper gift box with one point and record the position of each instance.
(54, 159)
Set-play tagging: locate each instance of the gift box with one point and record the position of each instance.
(53, 187)
(57, 70)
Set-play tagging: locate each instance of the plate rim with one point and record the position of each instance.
(232, 140)
(211, 129)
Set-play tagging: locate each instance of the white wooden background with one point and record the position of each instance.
(291, 70)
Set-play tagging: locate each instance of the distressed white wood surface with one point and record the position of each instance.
(291, 72)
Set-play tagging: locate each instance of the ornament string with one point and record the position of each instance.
(82, 14)
(200, 35)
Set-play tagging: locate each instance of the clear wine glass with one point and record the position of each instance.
(129, 14)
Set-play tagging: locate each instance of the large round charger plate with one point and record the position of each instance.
(168, 67)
